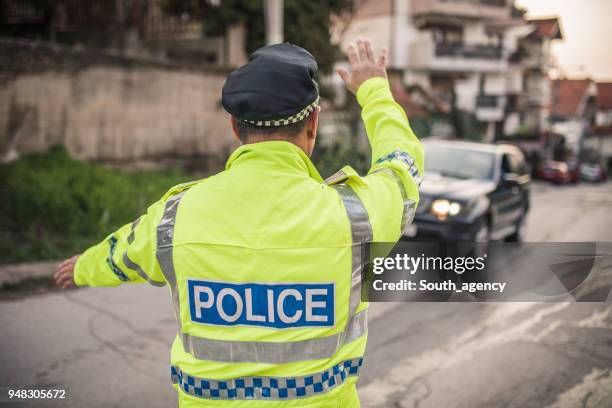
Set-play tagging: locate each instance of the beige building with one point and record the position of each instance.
(530, 101)
(460, 51)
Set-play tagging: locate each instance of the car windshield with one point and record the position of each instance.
(459, 162)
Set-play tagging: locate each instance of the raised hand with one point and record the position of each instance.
(363, 64)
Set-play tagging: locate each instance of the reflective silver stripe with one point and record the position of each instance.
(275, 353)
(409, 204)
(165, 237)
(267, 388)
(271, 352)
(131, 237)
(336, 177)
(135, 267)
(361, 232)
(396, 177)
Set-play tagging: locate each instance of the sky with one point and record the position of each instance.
(586, 50)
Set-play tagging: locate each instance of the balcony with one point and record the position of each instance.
(478, 9)
(494, 3)
(468, 51)
(427, 55)
(490, 108)
(487, 101)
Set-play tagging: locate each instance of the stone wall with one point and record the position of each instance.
(109, 108)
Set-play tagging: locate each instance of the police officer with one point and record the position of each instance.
(263, 260)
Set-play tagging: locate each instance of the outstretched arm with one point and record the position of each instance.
(125, 256)
(390, 191)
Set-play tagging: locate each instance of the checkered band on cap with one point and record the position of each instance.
(301, 115)
(267, 388)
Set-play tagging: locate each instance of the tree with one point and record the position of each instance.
(100, 23)
(307, 23)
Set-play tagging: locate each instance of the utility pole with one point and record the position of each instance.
(273, 12)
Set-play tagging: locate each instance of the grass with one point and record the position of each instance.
(53, 207)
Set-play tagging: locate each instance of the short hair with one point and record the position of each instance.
(246, 129)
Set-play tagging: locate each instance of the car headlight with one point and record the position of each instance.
(443, 208)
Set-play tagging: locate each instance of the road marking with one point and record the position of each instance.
(597, 320)
(547, 330)
(460, 348)
(595, 390)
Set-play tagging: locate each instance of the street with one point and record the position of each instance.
(109, 347)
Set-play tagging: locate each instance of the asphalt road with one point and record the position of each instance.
(110, 346)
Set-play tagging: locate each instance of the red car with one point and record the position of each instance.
(559, 172)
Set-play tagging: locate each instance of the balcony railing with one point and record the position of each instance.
(487, 101)
(468, 51)
(494, 3)
(490, 107)
(479, 9)
(426, 54)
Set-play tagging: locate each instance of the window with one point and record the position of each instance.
(518, 164)
(506, 165)
(514, 163)
(458, 162)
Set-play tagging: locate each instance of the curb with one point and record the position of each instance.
(15, 274)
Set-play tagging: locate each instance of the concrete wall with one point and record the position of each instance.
(474, 33)
(405, 34)
(108, 108)
(495, 84)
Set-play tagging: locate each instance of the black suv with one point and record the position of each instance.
(472, 192)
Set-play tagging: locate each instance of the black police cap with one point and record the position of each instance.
(275, 88)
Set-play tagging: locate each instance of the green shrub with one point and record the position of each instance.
(53, 206)
(329, 159)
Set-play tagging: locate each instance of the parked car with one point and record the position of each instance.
(593, 172)
(472, 192)
(559, 172)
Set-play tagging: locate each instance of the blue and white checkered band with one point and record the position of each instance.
(112, 242)
(301, 115)
(407, 159)
(267, 388)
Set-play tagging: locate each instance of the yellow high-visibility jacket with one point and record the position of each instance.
(263, 262)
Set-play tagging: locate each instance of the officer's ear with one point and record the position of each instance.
(313, 123)
(311, 130)
(235, 128)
